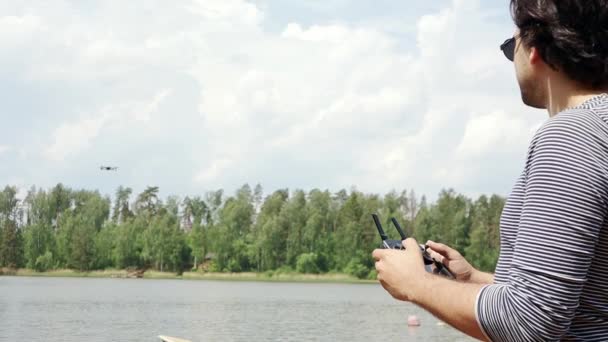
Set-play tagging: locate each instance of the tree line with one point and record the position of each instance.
(288, 231)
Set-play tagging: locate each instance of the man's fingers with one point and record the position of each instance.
(443, 249)
(378, 266)
(378, 254)
(436, 256)
(437, 246)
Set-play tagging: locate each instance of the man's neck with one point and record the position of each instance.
(564, 95)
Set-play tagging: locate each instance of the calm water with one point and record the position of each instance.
(67, 309)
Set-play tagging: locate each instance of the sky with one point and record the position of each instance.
(198, 95)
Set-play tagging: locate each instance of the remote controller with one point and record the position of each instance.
(430, 265)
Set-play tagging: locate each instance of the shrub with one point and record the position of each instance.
(307, 263)
(356, 268)
(44, 262)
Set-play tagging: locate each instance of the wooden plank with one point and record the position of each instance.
(172, 339)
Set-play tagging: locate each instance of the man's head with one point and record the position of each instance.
(559, 41)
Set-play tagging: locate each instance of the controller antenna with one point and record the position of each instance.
(379, 226)
(398, 226)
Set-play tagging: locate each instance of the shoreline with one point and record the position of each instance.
(245, 276)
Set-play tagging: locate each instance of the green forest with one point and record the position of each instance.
(293, 231)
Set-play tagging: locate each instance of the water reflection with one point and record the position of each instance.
(66, 309)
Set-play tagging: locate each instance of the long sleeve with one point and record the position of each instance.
(563, 213)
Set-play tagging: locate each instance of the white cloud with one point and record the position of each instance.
(314, 105)
(4, 149)
(491, 132)
(17, 29)
(72, 138)
(213, 171)
(229, 13)
(331, 33)
(469, 121)
(144, 113)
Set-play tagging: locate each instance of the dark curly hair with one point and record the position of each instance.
(570, 35)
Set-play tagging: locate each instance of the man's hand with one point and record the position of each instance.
(452, 259)
(401, 273)
(457, 264)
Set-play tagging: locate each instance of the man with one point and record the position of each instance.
(551, 281)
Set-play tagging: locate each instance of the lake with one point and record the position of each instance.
(86, 309)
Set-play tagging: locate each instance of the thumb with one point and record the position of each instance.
(411, 244)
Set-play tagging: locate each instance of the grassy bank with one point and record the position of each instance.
(248, 276)
(24, 272)
(281, 277)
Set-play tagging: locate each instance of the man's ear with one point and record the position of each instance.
(534, 56)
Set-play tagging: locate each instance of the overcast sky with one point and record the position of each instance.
(197, 95)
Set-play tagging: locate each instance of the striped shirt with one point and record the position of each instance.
(551, 281)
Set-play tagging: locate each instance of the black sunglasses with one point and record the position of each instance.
(508, 48)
